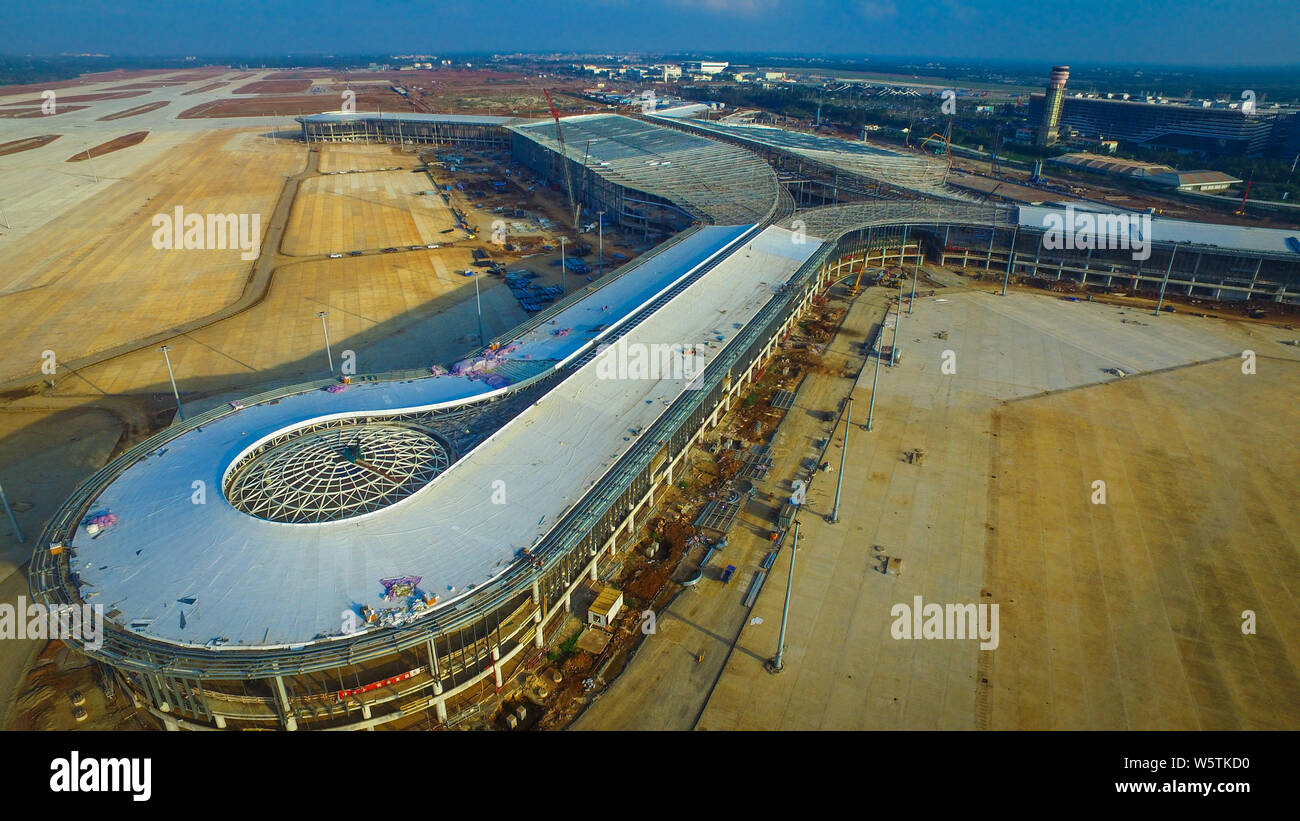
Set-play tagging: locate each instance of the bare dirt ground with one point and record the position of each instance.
(29, 113)
(264, 105)
(363, 157)
(97, 78)
(116, 144)
(93, 276)
(1129, 614)
(366, 210)
(274, 87)
(131, 112)
(1121, 615)
(206, 88)
(27, 144)
(83, 98)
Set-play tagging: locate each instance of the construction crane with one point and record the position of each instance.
(995, 167)
(945, 138)
(1241, 209)
(574, 207)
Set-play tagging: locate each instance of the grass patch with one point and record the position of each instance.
(566, 647)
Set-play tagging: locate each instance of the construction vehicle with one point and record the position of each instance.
(946, 139)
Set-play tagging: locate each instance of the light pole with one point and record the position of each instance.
(871, 409)
(170, 373)
(18, 533)
(478, 304)
(775, 665)
(834, 518)
(600, 233)
(898, 324)
(1011, 255)
(1160, 302)
(915, 273)
(325, 328)
(564, 269)
(90, 167)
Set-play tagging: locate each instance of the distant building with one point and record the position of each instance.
(1202, 181)
(703, 67)
(1159, 176)
(1164, 126)
(1284, 142)
(668, 71)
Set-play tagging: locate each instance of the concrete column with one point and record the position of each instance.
(171, 725)
(433, 660)
(440, 705)
(591, 569)
(220, 722)
(290, 723)
(496, 664)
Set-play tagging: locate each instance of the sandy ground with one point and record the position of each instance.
(43, 455)
(1118, 616)
(362, 157)
(93, 276)
(1128, 615)
(366, 210)
(404, 310)
(1109, 618)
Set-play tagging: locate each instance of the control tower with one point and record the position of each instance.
(1047, 130)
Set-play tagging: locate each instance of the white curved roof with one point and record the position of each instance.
(194, 573)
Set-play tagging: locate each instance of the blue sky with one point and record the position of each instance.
(1171, 32)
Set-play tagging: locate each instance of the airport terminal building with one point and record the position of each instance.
(388, 554)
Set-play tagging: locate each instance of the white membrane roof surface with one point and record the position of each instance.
(1165, 229)
(248, 582)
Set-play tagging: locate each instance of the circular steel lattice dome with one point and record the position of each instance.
(336, 472)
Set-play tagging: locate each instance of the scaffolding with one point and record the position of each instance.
(647, 166)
